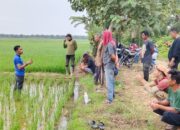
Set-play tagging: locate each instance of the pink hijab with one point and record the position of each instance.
(107, 38)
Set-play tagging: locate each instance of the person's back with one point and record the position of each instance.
(91, 64)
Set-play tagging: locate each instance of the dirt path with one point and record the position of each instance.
(137, 100)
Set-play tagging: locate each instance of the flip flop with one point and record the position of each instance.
(93, 125)
(101, 125)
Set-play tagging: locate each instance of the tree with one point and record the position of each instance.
(133, 15)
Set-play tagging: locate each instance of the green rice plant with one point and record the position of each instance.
(48, 54)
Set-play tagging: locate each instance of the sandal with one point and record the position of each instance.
(93, 125)
(101, 125)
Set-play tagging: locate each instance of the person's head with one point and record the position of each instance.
(161, 72)
(174, 78)
(97, 37)
(85, 57)
(174, 32)
(18, 49)
(145, 35)
(107, 37)
(69, 37)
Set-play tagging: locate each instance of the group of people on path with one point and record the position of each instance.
(105, 63)
(165, 85)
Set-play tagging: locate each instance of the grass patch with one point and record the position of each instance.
(48, 54)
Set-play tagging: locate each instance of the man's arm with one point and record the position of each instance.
(64, 44)
(163, 106)
(167, 108)
(24, 65)
(164, 102)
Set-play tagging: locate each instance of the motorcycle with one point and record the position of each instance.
(126, 57)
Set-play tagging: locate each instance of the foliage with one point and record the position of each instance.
(129, 15)
(163, 49)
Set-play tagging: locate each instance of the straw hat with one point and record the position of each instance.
(162, 69)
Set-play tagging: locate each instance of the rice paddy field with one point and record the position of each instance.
(39, 105)
(48, 55)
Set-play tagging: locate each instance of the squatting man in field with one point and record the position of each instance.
(19, 67)
(169, 108)
(71, 47)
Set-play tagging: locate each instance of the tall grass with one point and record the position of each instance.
(39, 105)
(48, 54)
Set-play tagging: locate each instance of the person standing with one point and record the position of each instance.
(99, 73)
(71, 47)
(19, 67)
(148, 50)
(174, 51)
(109, 61)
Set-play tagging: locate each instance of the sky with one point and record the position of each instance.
(38, 17)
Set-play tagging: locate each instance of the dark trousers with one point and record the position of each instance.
(146, 68)
(99, 75)
(70, 58)
(169, 117)
(19, 82)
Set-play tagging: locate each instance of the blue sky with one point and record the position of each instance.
(37, 17)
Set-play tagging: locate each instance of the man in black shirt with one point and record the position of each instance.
(174, 51)
(148, 50)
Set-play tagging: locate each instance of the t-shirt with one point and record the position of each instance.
(174, 98)
(108, 51)
(18, 61)
(91, 64)
(71, 47)
(174, 51)
(162, 84)
(147, 58)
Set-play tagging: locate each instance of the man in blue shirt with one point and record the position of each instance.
(19, 67)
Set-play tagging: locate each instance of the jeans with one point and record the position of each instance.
(19, 82)
(110, 82)
(146, 68)
(169, 117)
(136, 58)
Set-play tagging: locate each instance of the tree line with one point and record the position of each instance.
(39, 36)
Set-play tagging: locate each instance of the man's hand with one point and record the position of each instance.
(29, 62)
(154, 106)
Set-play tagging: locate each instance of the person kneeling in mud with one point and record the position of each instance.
(159, 86)
(87, 65)
(169, 108)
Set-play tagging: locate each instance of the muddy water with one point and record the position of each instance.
(35, 107)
